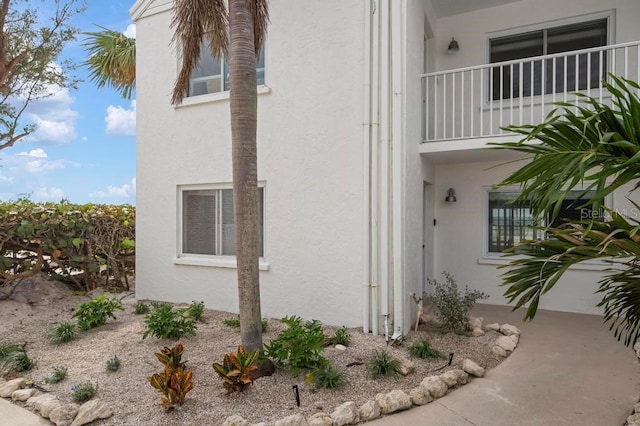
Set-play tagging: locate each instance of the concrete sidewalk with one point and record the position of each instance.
(568, 369)
(14, 415)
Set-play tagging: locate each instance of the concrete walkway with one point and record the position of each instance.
(14, 415)
(568, 369)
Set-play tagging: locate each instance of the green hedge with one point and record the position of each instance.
(75, 243)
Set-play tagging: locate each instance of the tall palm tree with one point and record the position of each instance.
(112, 60)
(244, 25)
(596, 148)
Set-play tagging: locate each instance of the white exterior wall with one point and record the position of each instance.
(309, 156)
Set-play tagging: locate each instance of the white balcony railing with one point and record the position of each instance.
(477, 101)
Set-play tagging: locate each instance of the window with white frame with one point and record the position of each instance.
(564, 73)
(211, 75)
(510, 223)
(208, 222)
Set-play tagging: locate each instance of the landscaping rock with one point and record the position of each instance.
(463, 378)
(633, 420)
(320, 419)
(22, 394)
(345, 414)
(636, 407)
(6, 389)
(434, 386)
(475, 322)
(454, 377)
(419, 396)
(44, 404)
(477, 332)
(64, 414)
(636, 348)
(340, 348)
(472, 368)
(405, 366)
(295, 420)
(493, 327)
(92, 410)
(369, 410)
(235, 420)
(508, 343)
(396, 400)
(508, 329)
(499, 351)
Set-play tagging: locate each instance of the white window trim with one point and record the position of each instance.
(220, 261)
(498, 258)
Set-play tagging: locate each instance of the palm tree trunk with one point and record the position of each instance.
(243, 99)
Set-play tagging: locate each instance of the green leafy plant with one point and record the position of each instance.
(382, 364)
(299, 346)
(62, 333)
(57, 375)
(328, 377)
(424, 350)
(113, 363)
(453, 307)
(83, 392)
(174, 382)
(236, 369)
(14, 359)
(164, 322)
(141, 308)
(235, 323)
(341, 337)
(196, 310)
(96, 312)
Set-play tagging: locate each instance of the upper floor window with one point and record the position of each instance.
(564, 73)
(207, 218)
(211, 75)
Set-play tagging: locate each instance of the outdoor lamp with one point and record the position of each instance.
(453, 46)
(451, 196)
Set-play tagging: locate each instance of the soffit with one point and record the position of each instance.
(144, 8)
(456, 7)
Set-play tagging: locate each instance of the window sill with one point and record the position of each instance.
(215, 261)
(215, 97)
(497, 260)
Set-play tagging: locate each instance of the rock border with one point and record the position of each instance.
(348, 413)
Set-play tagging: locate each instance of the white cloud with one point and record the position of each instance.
(43, 166)
(121, 121)
(53, 192)
(54, 116)
(130, 31)
(53, 131)
(38, 152)
(124, 191)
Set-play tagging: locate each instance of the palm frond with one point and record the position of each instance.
(112, 60)
(260, 12)
(193, 22)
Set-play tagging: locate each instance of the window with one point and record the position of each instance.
(211, 75)
(510, 223)
(591, 68)
(208, 223)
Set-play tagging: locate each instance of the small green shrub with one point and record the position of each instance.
(58, 374)
(113, 363)
(382, 364)
(236, 369)
(83, 392)
(141, 308)
(14, 359)
(328, 378)
(424, 350)
(453, 307)
(341, 337)
(96, 312)
(299, 346)
(165, 323)
(235, 323)
(174, 382)
(62, 333)
(196, 310)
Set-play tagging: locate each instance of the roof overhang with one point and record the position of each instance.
(143, 8)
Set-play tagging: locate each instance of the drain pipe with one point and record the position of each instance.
(374, 22)
(366, 148)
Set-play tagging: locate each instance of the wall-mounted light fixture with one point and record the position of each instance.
(453, 46)
(451, 196)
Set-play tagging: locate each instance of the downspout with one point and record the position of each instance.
(398, 12)
(375, 127)
(366, 131)
(385, 107)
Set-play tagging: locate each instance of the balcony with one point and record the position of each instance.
(476, 102)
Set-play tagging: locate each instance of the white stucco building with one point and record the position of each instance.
(365, 120)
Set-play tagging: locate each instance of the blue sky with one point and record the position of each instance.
(84, 148)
